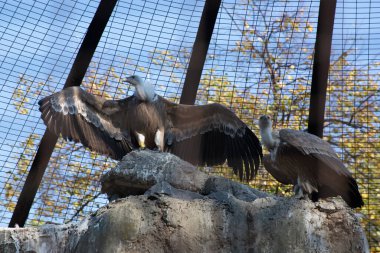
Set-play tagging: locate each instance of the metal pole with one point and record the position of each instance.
(198, 55)
(48, 141)
(321, 66)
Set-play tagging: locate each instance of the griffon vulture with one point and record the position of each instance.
(200, 134)
(307, 162)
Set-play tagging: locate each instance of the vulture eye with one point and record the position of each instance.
(265, 117)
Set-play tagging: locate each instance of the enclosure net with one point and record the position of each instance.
(259, 62)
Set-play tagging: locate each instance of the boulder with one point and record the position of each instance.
(163, 204)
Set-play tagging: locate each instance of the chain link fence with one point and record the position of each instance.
(259, 62)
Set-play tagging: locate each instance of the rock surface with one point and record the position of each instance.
(185, 210)
(140, 170)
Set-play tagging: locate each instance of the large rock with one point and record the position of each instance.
(140, 170)
(184, 210)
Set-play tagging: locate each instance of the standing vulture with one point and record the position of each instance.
(307, 162)
(200, 134)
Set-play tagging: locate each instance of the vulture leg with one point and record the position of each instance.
(140, 140)
(298, 193)
(304, 189)
(159, 139)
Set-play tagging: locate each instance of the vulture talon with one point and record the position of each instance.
(157, 149)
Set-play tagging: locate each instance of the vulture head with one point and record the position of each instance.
(265, 122)
(135, 80)
(144, 90)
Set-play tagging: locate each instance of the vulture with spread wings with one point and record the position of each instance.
(200, 134)
(307, 162)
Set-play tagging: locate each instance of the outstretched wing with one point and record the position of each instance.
(211, 134)
(318, 162)
(82, 117)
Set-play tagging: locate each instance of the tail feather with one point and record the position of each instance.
(334, 179)
(353, 197)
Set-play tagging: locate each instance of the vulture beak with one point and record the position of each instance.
(131, 80)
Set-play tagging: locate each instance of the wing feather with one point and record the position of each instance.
(295, 164)
(306, 143)
(280, 175)
(335, 179)
(211, 135)
(81, 117)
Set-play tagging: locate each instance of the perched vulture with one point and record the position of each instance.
(200, 134)
(307, 162)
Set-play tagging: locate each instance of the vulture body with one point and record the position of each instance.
(200, 134)
(307, 162)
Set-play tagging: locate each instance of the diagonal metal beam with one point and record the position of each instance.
(321, 66)
(199, 53)
(48, 141)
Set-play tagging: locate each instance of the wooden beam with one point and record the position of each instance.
(321, 66)
(48, 141)
(199, 53)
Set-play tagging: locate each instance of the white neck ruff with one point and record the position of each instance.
(145, 92)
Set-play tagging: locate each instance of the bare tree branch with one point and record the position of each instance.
(80, 209)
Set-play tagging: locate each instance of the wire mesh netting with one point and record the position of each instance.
(259, 62)
(352, 111)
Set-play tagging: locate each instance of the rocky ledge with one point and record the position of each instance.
(160, 203)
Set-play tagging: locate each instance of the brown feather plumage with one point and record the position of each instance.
(303, 158)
